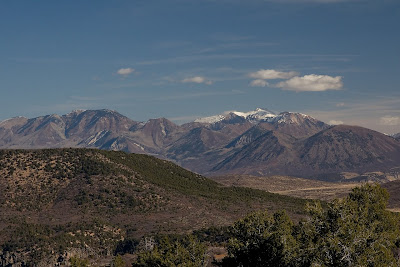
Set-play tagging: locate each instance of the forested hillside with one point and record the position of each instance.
(59, 203)
(354, 231)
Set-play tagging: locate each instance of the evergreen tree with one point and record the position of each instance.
(118, 261)
(354, 231)
(77, 262)
(168, 252)
(262, 240)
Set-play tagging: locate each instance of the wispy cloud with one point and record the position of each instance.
(172, 44)
(341, 104)
(197, 79)
(293, 82)
(234, 46)
(259, 83)
(272, 74)
(312, 83)
(335, 122)
(125, 71)
(43, 60)
(230, 56)
(183, 119)
(390, 120)
(379, 113)
(224, 37)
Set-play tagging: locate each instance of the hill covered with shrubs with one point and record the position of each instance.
(57, 204)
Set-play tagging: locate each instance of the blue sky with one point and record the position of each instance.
(337, 60)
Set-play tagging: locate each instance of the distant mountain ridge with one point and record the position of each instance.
(255, 116)
(333, 150)
(258, 142)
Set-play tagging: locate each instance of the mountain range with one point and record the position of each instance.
(258, 142)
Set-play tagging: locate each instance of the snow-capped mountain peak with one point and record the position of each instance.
(256, 115)
(291, 118)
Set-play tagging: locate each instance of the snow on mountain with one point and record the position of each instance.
(396, 136)
(96, 137)
(291, 118)
(211, 119)
(256, 115)
(75, 112)
(252, 116)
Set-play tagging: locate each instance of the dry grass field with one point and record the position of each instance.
(291, 186)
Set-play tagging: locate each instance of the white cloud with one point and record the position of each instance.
(197, 79)
(259, 83)
(341, 104)
(272, 74)
(390, 120)
(125, 71)
(313, 83)
(335, 122)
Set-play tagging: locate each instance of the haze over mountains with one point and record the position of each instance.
(257, 142)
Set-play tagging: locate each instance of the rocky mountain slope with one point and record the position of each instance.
(331, 151)
(257, 142)
(60, 203)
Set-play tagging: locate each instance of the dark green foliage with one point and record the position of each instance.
(126, 246)
(170, 176)
(355, 231)
(101, 185)
(60, 162)
(213, 235)
(118, 261)
(132, 177)
(30, 235)
(77, 262)
(43, 240)
(170, 252)
(262, 240)
(54, 189)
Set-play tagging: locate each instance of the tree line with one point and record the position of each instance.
(355, 231)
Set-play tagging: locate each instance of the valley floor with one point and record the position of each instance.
(290, 186)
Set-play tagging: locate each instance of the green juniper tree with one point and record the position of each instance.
(169, 252)
(262, 240)
(354, 231)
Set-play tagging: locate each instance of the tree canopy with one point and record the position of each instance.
(169, 252)
(354, 231)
